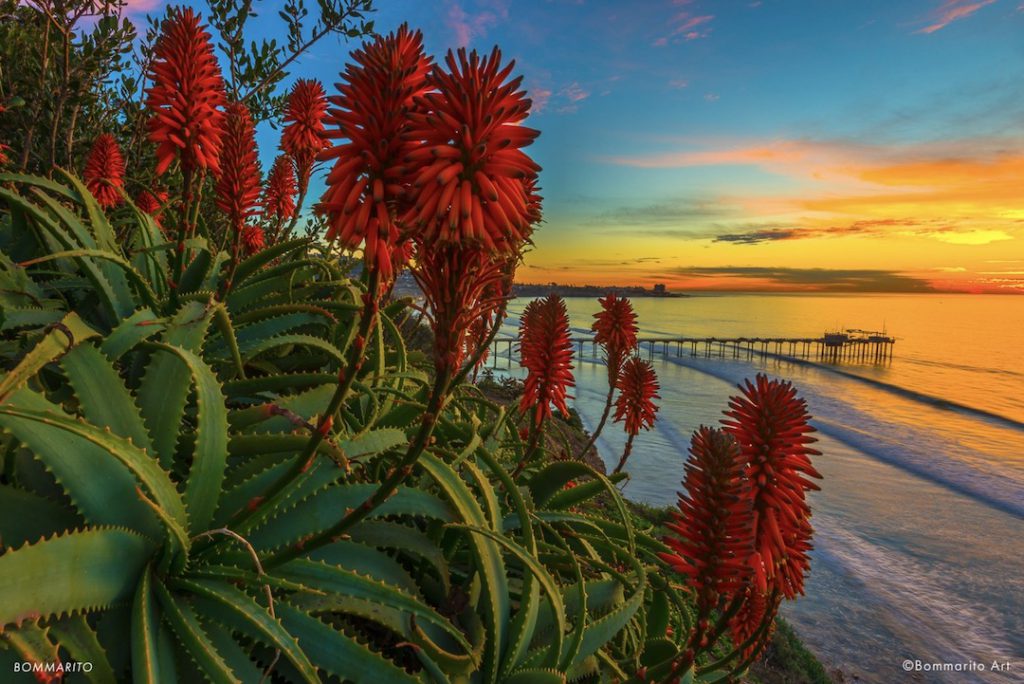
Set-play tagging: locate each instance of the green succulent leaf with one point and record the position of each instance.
(55, 343)
(209, 453)
(80, 571)
(186, 628)
(338, 653)
(258, 618)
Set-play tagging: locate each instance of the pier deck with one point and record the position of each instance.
(851, 347)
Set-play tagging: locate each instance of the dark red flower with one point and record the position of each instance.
(545, 351)
(615, 330)
(460, 286)
(756, 613)
(279, 193)
(638, 388)
(186, 96)
(252, 239)
(713, 542)
(371, 113)
(476, 336)
(104, 171)
(770, 424)
(238, 186)
(473, 182)
(151, 202)
(303, 136)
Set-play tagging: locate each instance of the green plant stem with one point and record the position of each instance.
(625, 454)
(187, 175)
(475, 359)
(536, 438)
(303, 188)
(395, 477)
(604, 415)
(236, 249)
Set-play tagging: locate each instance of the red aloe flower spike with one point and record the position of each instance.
(615, 330)
(252, 239)
(369, 177)
(472, 181)
(770, 423)
(459, 286)
(303, 136)
(476, 335)
(545, 351)
(712, 538)
(756, 613)
(104, 171)
(238, 187)
(187, 96)
(151, 202)
(638, 388)
(279, 193)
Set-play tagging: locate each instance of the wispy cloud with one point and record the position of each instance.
(970, 237)
(540, 97)
(574, 92)
(467, 26)
(685, 26)
(950, 11)
(805, 279)
(571, 95)
(878, 228)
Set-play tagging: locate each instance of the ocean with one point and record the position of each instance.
(919, 526)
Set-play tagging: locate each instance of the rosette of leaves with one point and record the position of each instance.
(161, 519)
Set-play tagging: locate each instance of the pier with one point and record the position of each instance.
(850, 346)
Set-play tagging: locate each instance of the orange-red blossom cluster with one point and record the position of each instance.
(743, 528)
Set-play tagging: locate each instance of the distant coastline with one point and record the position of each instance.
(590, 291)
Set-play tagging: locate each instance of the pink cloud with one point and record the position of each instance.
(952, 10)
(686, 26)
(466, 26)
(540, 97)
(140, 6)
(690, 23)
(574, 92)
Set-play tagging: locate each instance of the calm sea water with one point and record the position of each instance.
(919, 542)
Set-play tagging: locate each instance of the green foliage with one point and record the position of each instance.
(163, 512)
(787, 661)
(57, 62)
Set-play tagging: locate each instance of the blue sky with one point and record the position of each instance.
(681, 138)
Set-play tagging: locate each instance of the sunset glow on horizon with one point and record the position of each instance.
(759, 145)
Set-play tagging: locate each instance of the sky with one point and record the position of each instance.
(792, 145)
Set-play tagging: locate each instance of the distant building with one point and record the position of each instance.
(659, 288)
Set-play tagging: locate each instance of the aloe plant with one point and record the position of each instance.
(156, 498)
